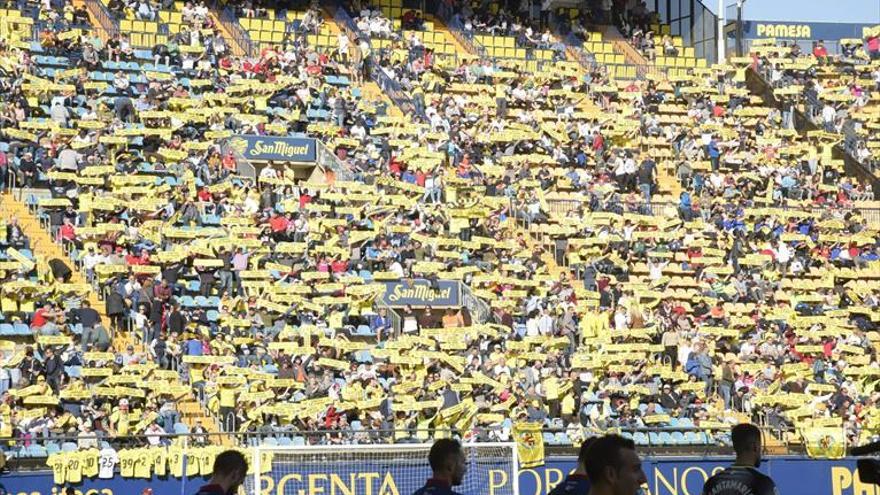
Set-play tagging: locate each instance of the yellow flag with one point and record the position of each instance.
(826, 443)
(529, 444)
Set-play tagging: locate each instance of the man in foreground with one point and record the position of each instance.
(577, 483)
(447, 462)
(613, 467)
(230, 470)
(743, 477)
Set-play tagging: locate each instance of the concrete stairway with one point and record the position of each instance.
(622, 45)
(44, 246)
(105, 28)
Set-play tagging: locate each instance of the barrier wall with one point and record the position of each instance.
(666, 476)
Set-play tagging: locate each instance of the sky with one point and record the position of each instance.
(856, 11)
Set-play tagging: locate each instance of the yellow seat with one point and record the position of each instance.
(151, 27)
(509, 42)
(701, 63)
(137, 26)
(165, 16)
(177, 17)
(245, 23)
(277, 37)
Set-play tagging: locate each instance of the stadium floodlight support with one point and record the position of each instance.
(720, 33)
(739, 27)
(402, 468)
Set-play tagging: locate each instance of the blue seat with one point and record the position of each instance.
(76, 328)
(68, 447)
(36, 450)
(6, 329)
(640, 438)
(193, 285)
(654, 438)
(549, 438)
(214, 302)
(213, 315)
(52, 448)
(665, 438)
(678, 438)
(270, 441)
(181, 429)
(186, 301)
(285, 441)
(364, 331)
(200, 301)
(21, 329)
(298, 441)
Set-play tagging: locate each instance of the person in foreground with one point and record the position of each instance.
(613, 467)
(576, 483)
(448, 467)
(742, 478)
(230, 470)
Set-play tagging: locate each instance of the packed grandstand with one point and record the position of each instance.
(663, 248)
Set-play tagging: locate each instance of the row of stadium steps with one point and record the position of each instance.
(440, 27)
(233, 42)
(622, 46)
(100, 29)
(190, 409)
(43, 244)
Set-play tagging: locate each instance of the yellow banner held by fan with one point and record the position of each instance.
(529, 444)
(824, 443)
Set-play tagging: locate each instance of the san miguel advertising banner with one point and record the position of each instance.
(828, 31)
(666, 476)
(422, 293)
(273, 148)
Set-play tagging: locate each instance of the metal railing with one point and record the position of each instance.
(233, 27)
(477, 307)
(456, 29)
(328, 160)
(388, 85)
(243, 166)
(104, 17)
(716, 436)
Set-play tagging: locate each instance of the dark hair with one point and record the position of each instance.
(230, 461)
(604, 452)
(743, 436)
(582, 454)
(441, 451)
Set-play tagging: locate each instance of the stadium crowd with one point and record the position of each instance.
(653, 253)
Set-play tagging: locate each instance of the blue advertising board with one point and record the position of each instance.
(420, 293)
(666, 476)
(274, 148)
(828, 31)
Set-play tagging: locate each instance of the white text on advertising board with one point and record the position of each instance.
(422, 293)
(278, 148)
